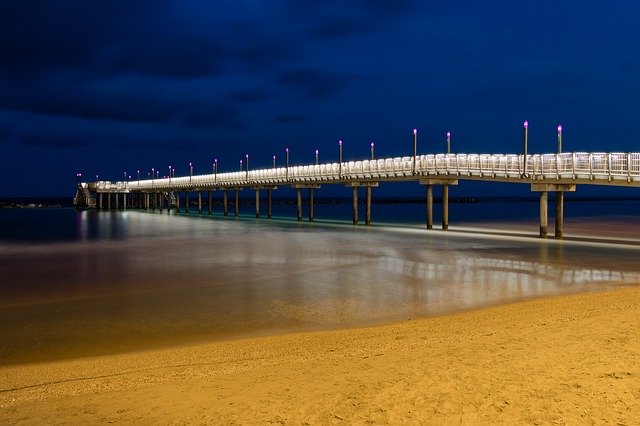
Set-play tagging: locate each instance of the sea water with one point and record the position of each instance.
(83, 283)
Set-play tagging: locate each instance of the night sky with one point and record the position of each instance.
(104, 87)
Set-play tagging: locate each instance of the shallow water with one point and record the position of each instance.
(89, 283)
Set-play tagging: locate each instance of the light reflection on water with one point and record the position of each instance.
(135, 280)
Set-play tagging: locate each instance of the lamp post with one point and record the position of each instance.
(415, 149)
(138, 178)
(448, 142)
(526, 146)
(372, 147)
(169, 175)
(153, 175)
(247, 158)
(316, 156)
(274, 161)
(340, 157)
(215, 170)
(559, 139)
(190, 172)
(240, 165)
(287, 163)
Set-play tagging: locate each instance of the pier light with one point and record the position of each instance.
(215, 170)
(240, 165)
(316, 156)
(286, 163)
(96, 178)
(274, 161)
(415, 149)
(247, 158)
(153, 172)
(372, 148)
(340, 157)
(526, 147)
(448, 142)
(559, 138)
(138, 178)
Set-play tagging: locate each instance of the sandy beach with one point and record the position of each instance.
(570, 359)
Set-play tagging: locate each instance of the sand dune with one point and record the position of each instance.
(571, 359)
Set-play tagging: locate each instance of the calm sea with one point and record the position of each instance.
(83, 283)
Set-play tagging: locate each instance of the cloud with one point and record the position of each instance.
(314, 84)
(290, 118)
(340, 27)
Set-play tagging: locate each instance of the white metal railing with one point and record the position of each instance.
(616, 168)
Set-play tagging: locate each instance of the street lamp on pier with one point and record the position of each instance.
(340, 157)
(274, 161)
(247, 158)
(526, 146)
(415, 149)
(215, 170)
(448, 142)
(286, 163)
(559, 139)
(372, 148)
(317, 152)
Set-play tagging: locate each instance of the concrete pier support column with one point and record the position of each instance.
(445, 207)
(178, 201)
(429, 182)
(299, 203)
(155, 201)
(160, 201)
(544, 213)
(186, 201)
(559, 214)
(311, 203)
(367, 217)
(237, 203)
(257, 203)
(109, 201)
(429, 206)
(124, 201)
(225, 203)
(210, 201)
(269, 203)
(146, 201)
(559, 189)
(199, 201)
(355, 205)
(100, 201)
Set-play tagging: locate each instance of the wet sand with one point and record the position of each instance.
(567, 359)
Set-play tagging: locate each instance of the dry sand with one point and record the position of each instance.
(571, 359)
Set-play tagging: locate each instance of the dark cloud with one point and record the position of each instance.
(290, 118)
(55, 141)
(222, 116)
(314, 84)
(254, 94)
(340, 27)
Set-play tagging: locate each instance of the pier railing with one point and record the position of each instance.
(614, 168)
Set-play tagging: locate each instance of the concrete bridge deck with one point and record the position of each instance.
(543, 172)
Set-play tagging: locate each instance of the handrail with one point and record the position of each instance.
(617, 168)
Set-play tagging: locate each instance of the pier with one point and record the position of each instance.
(543, 173)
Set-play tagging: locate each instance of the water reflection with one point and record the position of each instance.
(137, 280)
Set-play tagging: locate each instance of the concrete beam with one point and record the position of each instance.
(438, 181)
(552, 187)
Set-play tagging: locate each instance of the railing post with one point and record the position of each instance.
(591, 166)
(609, 166)
(628, 167)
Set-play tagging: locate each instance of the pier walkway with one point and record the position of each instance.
(544, 173)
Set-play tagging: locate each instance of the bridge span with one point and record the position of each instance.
(544, 173)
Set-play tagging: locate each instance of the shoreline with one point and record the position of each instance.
(569, 358)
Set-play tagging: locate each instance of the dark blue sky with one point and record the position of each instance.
(101, 87)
